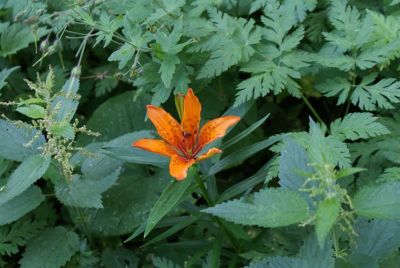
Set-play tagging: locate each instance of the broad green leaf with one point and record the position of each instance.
(168, 200)
(85, 192)
(19, 141)
(262, 209)
(241, 155)
(326, 216)
(33, 111)
(118, 115)
(126, 204)
(51, 248)
(28, 172)
(4, 74)
(16, 37)
(311, 255)
(63, 129)
(376, 238)
(20, 205)
(379, 201)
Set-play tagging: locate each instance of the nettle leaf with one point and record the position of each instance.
(126, 204)
(326, 150)
(65, 105)
(17, 207)
(33, 111)
(338, 86)
(4, 74)
(267, 208)
(18, 141)
(51, 248)
(376, 238)
(83, 191)
(356, 126)
(311, 255)
(326, 216)
(292, 164)
(378, 201)
(231, 42)
(18, 36)
(63, 129)
(28, 172)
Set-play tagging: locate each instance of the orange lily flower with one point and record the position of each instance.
(183, 142)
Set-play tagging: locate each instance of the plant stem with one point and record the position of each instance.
(335, 242)
(313, 111)
(204, 191)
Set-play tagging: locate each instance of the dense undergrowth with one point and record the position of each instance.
(309, 177)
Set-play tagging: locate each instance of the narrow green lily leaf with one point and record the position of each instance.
(241, 155)
(244, 133)
(168, 200)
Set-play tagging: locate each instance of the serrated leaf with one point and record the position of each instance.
(356, 126)
(85, 192)
(262, 209)
(122, 55)
(65, 105)
(52, 248)
(63, 129)
(325, 217)
(33, 111)
(28, 172)
(376, 238)
(168, 200)
(126, 204)
(16, 37)
(378, 201)
(14, 140)
(17, 207)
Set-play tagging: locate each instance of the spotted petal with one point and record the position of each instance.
(167, 127)
(155, 146)
(191, 118)
(216, 128)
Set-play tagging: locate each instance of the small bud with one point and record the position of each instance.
(44, 45)
(31, 20)
(179, 98)
(76, 71)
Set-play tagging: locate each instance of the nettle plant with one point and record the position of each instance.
(90, 177)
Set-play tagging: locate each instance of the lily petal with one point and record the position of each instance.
(155, 146)
(167, 127)
(216, 128)
(209, 153)
(191, 118)
(179, 166)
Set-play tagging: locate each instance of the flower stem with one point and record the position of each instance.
(204, 191)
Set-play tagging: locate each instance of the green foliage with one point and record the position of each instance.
(378, 201)
(50, 248)
(261, 209)
(315, 185)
